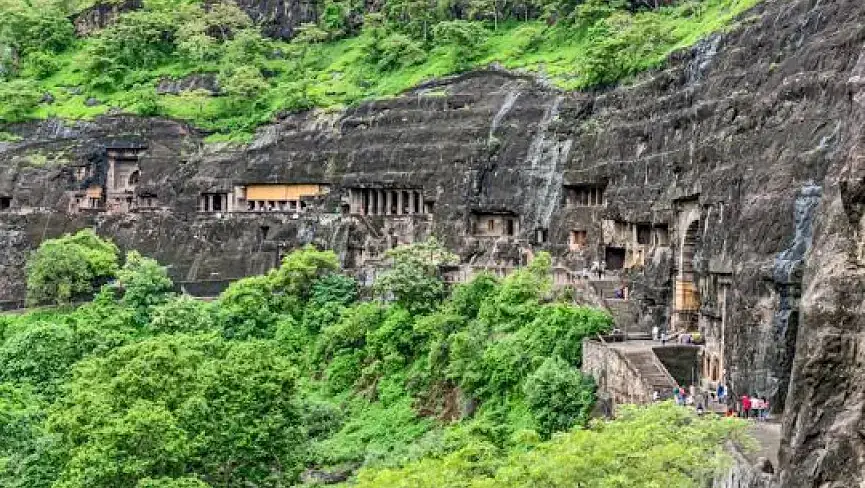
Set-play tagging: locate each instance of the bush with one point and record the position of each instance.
(394, 52)
(559, 396)
(69, 266)
(664, 445)
(144, 283)
(182, 314)
(413, 279)
(461, 37)
(40, 356)
(176, 404)
(18, 98)
(250, 308)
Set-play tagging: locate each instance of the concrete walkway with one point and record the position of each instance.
(768, 435)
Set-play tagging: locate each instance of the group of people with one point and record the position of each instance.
(659, 335)
(598, 268)
(754, 407)
(749, 407)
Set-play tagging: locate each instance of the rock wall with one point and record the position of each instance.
(728, 186)
(618, 381)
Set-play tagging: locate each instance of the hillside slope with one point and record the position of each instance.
(212, 65)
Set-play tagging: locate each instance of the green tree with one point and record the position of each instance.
(462, 38)
(40, 356)
(518, 298)
(182, 314)
(664, 445)
(559, 396)
(186, 482)
(144, 284)
(69, 266)
(251, 308)
(301, 269)
(413, 279)
(244, 85)
(18, 98)
(180, 405)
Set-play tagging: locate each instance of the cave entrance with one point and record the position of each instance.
(687, 302)
(614, 257)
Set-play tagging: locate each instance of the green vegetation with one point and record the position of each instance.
(68, 267)
(337, 62)
(419, 386)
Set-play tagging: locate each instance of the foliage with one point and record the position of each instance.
(17, 99)
(249, 308)
(41, 355)
(559, 396)
(300, 269)
(69, 266)
(350, 55)
(413, 278)
(465, 39)
(291, 370)
(38, 28)
(666, 446)
(144, 283)
(162, 406)
(182, 314)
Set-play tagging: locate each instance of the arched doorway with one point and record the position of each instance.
(687, 300)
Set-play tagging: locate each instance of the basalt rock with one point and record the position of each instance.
(172, 86)
(728, 186)
(101, 15)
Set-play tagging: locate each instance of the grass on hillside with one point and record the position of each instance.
(337, 73)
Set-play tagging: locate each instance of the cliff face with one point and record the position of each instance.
(730, 186)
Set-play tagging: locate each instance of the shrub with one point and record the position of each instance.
(251, 308)
(559, 396)
(394, 52)
(40, 355)
(144, 284)
(182, 314)
(17, 99)
(413, 279)
(69, 266)
(176, 404)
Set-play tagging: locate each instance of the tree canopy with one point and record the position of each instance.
(69, 266)
(418, 384)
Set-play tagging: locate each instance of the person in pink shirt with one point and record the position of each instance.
(746, 406)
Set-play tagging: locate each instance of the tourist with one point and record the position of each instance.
(721, 392)
(655, 331)
(746, 406)
(765, 408)
(757, 407)
(596, 268)
(619, 294)
(664, 338)
(656, 396)
(601, 268)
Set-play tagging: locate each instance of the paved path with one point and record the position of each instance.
(768, 435)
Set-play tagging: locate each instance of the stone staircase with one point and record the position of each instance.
(605, 288)
(651, 371)
(626, 313)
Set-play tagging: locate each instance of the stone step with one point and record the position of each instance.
(648, 367)
(605, 288)
(626, 314)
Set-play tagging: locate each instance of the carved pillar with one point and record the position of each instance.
(381, 202)
(399, 202)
